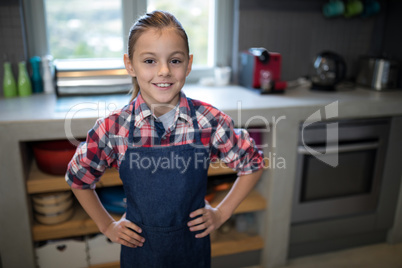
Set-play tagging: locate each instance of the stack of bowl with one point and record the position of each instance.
(53, 208)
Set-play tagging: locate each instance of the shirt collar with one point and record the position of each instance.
(142, 111)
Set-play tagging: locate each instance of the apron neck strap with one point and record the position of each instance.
(131, 129)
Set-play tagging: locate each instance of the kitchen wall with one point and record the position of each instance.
(392, 32)
(11, 36)
(298, 30)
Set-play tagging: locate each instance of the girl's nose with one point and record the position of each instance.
(164, 70)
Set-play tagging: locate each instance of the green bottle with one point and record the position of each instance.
(9, 85)
(24, 82)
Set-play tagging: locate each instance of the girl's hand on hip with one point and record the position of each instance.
(125, 232)
(207, 219)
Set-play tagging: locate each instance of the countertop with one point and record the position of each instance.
(230, 99)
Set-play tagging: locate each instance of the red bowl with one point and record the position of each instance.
(210, 197)
(53, 156)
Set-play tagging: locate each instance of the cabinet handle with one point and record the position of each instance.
(334, 149)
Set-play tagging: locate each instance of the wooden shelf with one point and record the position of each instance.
(253, 202)
(40, 182)
(81, 224)
(235, 242)
(106, 265)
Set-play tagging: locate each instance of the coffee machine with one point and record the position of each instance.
(260, 69)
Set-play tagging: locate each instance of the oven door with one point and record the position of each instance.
(325, 192)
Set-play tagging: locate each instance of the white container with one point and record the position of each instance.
(66, 253)
(53, 209)
(54, 218)
(48, 74)
(102, 250)
(222, 76)
(52, 198)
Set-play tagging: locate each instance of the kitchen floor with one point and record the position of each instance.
(373, 256)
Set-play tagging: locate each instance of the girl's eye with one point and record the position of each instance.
(149, 61)
(176, 61)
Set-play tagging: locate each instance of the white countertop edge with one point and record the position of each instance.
(230, 99)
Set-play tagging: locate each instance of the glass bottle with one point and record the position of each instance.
(9, 85)
(24, 82)
(36, 77)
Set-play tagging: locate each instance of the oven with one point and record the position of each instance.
(339, 177)
(338, 184)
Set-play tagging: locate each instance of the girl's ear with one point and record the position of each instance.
(129, 66)
(190, 64)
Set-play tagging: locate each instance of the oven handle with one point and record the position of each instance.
(335, 149)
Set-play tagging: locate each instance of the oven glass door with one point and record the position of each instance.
(352, 176)
(324, 191)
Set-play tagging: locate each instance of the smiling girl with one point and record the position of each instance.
(168, 222)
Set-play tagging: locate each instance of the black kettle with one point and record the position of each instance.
(329, 69)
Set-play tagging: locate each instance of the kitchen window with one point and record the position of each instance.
(95, 29)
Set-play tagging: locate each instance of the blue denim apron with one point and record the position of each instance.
(163, 186)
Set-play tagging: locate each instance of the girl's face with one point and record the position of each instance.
(161, 64)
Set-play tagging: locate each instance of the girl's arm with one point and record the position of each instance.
(212, 218)
(123, 231)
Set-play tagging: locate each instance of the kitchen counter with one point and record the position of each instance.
(42, 117)
(354, 102)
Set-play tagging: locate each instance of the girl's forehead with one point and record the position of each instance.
(155, 37)
(157, 33)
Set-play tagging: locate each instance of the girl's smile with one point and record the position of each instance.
(161, 64)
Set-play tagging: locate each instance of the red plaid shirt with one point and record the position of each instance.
(107, 141)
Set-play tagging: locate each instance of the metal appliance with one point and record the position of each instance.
(348, 204)
(260, 69)
(378, 73)
(329, 69)
(92, 77)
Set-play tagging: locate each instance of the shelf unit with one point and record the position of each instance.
(40, 182)
(81, 224)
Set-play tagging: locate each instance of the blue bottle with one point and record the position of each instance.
(36, 77)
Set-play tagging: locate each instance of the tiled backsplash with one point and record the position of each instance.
(11, 37)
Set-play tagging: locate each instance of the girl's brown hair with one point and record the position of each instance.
(157, 20)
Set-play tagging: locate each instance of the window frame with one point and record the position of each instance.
(37, 42)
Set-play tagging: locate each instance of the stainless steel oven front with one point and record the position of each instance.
(326, 189)
(350, 201)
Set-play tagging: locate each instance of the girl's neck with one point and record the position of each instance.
(161, 109)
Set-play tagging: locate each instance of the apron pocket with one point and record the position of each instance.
(174, 247)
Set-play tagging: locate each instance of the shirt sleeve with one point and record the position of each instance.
(236, 148)
(91, 158)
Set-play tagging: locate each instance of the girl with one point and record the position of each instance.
(161, 144)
